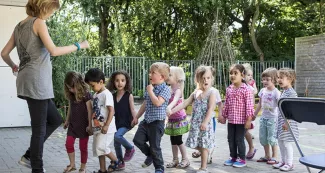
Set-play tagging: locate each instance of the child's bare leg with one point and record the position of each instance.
(204, 157)
(267, 151)
(102, 163)
(249, 140)
(112, 157)
(72, 159)
(274, 151)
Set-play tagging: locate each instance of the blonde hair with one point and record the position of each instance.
(272, 73)
(162, 68)
(75, 80)
(39, 8)
(289, 73)
(200, 71)
(179, 74)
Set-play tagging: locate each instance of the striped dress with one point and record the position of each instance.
(286, 135)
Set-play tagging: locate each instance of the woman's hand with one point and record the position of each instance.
(84, 45)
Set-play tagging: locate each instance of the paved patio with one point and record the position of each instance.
(14, 142)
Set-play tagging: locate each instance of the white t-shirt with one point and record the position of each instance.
(100, 102)
(218, 97)
(269, 102)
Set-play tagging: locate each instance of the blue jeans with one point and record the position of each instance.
(120, 140)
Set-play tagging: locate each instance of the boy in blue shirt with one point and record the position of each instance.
(152, 127)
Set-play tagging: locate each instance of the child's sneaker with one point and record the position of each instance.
(121, 165)
(230, 162)
(147, 162)
(239, 163)
(286, 168)
(129, 154)
(278, 165)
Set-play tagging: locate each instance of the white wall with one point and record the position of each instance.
(21, 3)
(13, 111)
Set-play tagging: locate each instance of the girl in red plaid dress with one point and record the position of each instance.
(239, 111)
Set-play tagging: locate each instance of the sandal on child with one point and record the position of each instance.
(251, 155)
(82, 170)
(99, 171)
(196, 154)
(272, 161)
(172, 164)
(113, 167)
(184, 163)
(262, 159)
(69, 168)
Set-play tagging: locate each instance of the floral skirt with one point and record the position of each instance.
(175, 128)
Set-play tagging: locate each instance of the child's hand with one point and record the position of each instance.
(84, 44)
(89, 130)
(253, 118)
(134, 122)
(248, 124)
(221, 119)
(168, 111)
(285, 127)
(150, 88)
(203, 126)
(104, 129)
(66, 125)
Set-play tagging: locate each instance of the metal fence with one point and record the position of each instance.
(138, 68)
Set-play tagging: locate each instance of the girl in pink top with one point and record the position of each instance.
(239, 111)
(177, 123)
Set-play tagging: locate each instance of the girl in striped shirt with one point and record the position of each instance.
(286, 78)
(239, 111)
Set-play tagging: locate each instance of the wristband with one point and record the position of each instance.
(78, 46)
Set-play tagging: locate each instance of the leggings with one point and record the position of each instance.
(83, 146)
(176, 140)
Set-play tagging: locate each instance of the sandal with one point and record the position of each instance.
(99, 171)
(69, 168)
(251, 155)
(196, 154)
(113, 166)
(173, 164)
(272, 161)
(184, 163)
(82, 170)
(262, 159)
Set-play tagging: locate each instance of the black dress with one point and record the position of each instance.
(78, 120)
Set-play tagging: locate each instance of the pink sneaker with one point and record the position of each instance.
(129, 154)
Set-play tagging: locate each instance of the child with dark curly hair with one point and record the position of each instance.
(121, 86)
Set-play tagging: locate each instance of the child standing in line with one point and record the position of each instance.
(120, 83)
(197, 154)
(153, 126)
(252, 86)
(177, 123)
(239, 111)
(201, 136)
(269, 96)
(78, 119)
(103, 121)
(286, 79)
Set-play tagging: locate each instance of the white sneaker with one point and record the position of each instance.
(24, 161)
(286, 168)
(201, 170)
(278, 165)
